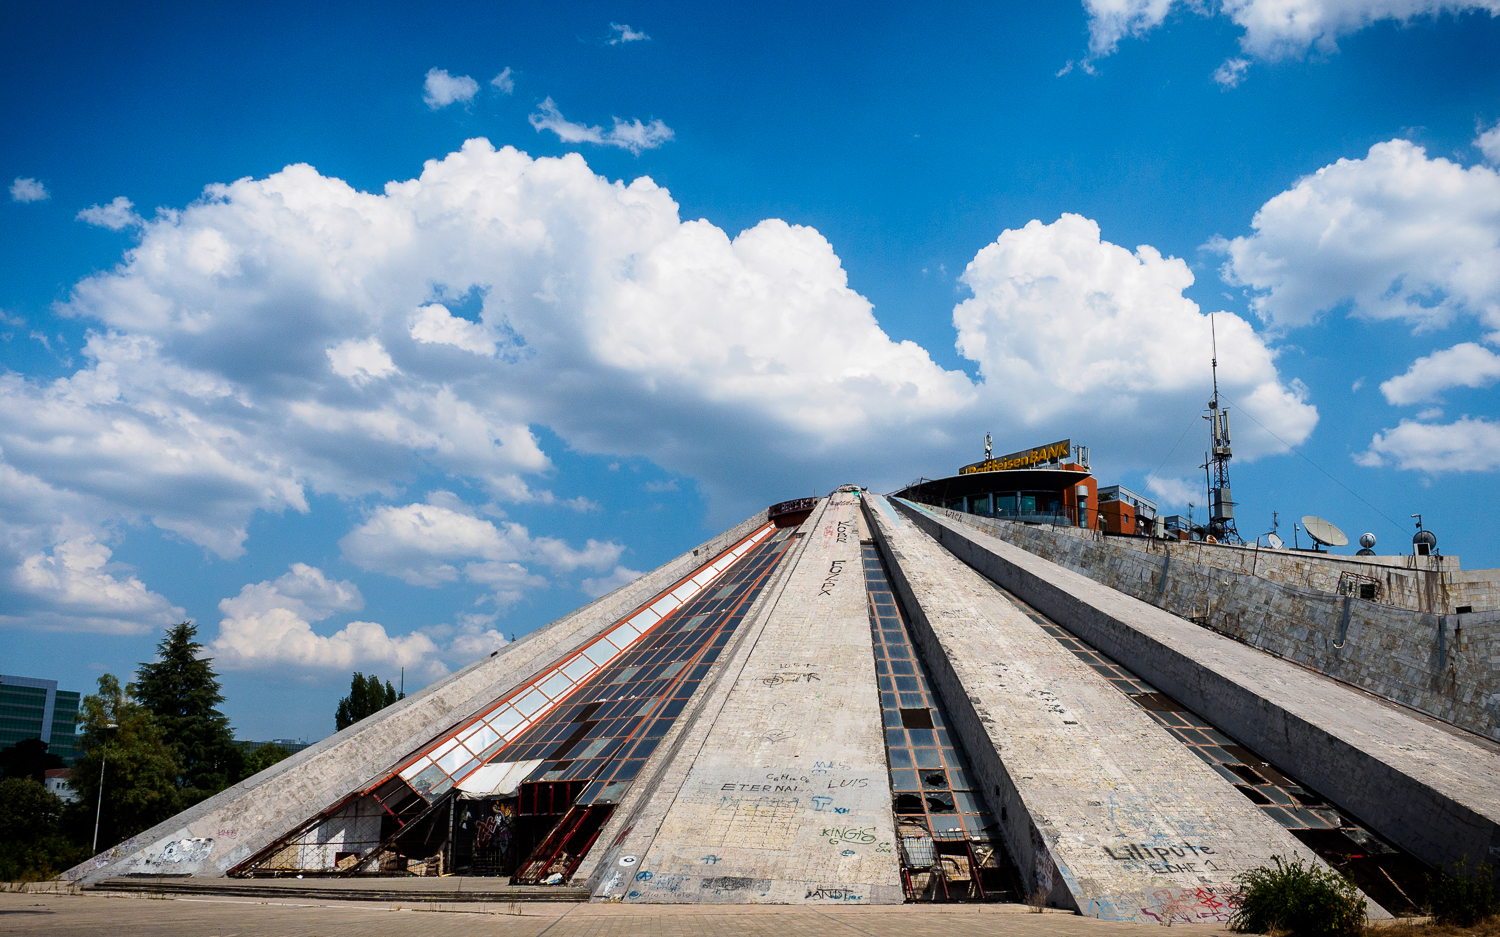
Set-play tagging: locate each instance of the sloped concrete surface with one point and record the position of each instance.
(786, 799)
(1101, 806)
(1434, 791)
(218, 834)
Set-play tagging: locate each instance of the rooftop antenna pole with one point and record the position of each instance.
(1216, 462)
(1213, 336)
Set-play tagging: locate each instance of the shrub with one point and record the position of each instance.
(1463, 897)
(1299, 901)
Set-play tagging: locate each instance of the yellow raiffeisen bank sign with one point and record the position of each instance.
(1024, 459)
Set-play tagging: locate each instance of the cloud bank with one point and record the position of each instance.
(1069, 329)
(270, 623)
(289, 337)
(1395, 236)
(1272, 29)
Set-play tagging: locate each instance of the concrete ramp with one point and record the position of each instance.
(1103, 810)
(1429, 788)
(782, 795)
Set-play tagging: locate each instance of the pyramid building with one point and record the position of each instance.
(866, 699)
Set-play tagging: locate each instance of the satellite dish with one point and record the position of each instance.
(1324, 532)
(1367, 541)
(1276, 542)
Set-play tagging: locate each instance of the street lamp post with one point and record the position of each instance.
(99, 809)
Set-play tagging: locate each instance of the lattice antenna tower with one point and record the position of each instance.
(1216, 460)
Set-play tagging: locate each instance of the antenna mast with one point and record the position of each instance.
(1216, 460)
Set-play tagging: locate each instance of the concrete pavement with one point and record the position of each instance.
(92, 914)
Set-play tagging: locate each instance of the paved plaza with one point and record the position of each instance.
(93, 915)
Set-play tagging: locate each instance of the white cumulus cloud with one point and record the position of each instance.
(441, 89)
(1232, 72)
(1468, 444)
(72, 588)
(1174, 491)
(260, 345)
(1113, 20)
(1488, 143)
(26, 189)
(603, 585)
(471, 637)
(1273, 29)
(361, 360)
(116, 216)
(425, 544)
(269, 624)
(1395, 235)
(1464, 365)
(504, 82)
(1069, 329)
(633, 136)
(435, 325)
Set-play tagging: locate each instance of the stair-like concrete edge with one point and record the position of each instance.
(315, 889)
(1429, 792)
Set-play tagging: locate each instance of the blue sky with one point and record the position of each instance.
(368, 338)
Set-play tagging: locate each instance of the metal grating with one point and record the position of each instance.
(950, 843)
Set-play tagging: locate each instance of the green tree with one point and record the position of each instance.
(32, 844)
(366, 697)
(182, 691)
(28, 758)
(264, 757)
(140, 770)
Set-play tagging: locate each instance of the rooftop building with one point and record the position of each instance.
(32, 708)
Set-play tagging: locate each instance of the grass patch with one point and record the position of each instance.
(1489, 927)
(1461, 896)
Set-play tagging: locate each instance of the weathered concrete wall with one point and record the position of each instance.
(218, 834)
(778, 791)
(1430, 788)
(1444, 665)
(1101, 806)
(1420, 583)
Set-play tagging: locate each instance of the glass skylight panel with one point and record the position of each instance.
(432, 772)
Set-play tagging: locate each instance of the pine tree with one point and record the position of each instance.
(366, 697)
(182, 691)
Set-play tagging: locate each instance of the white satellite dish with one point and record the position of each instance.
(1276, 542)
(1324, 532)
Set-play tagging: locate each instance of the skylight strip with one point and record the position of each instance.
(448, 760)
